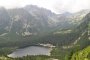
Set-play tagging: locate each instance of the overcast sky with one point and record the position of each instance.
(58, 6)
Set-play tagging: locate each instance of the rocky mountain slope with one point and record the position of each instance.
(32, 20)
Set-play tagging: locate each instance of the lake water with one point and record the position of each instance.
(32, 50)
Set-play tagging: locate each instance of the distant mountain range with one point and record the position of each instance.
(32, 20)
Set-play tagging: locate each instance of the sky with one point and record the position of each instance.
(57, 6)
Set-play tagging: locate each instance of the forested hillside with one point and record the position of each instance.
(82, 54)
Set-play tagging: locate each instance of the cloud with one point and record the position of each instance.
(71, 5)
(58, 6)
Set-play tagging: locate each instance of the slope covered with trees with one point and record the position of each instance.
(82, 55)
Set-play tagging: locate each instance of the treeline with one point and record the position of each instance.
(38, 57)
